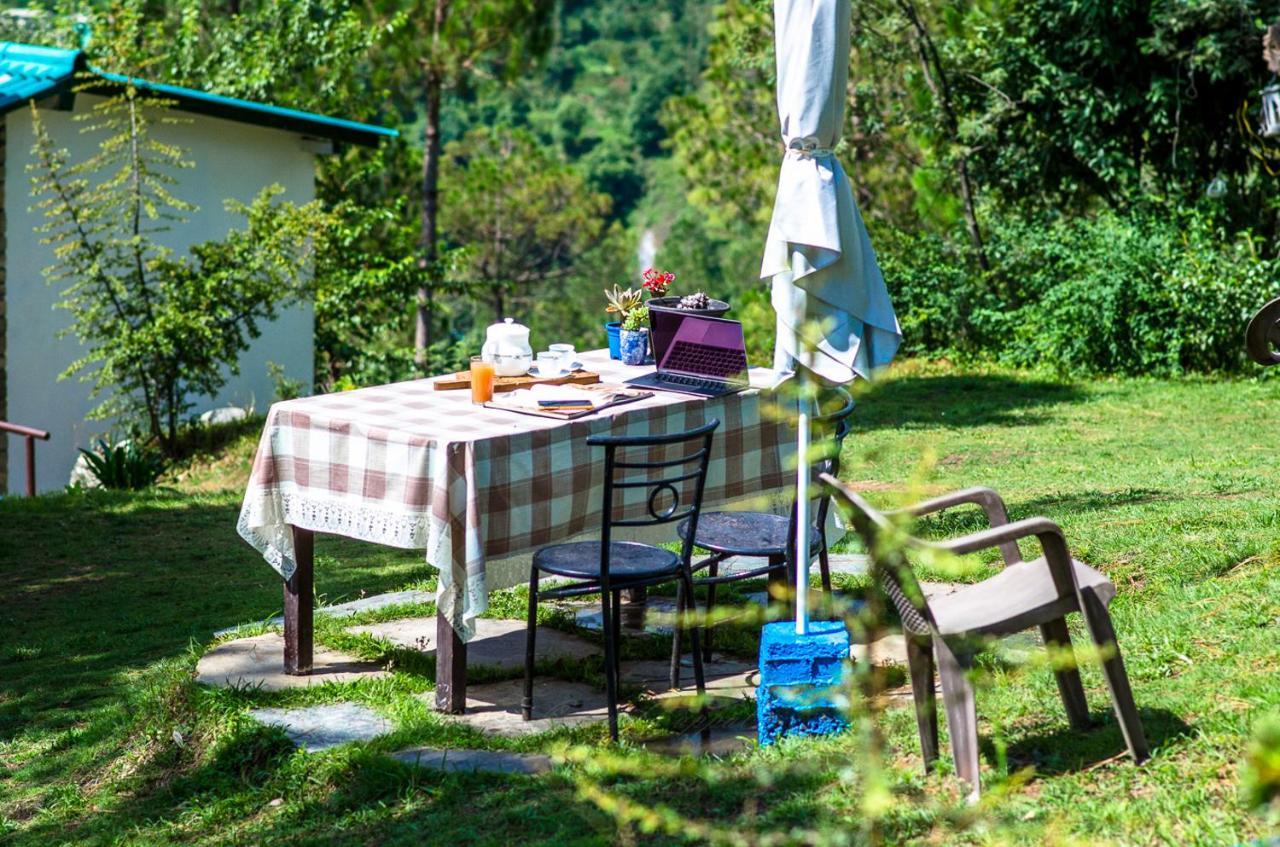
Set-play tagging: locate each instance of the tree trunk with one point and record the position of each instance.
(428, 241)
(970, 216)
(935, 76)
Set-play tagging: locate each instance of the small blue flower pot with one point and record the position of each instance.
(633, 344)
(612, 328)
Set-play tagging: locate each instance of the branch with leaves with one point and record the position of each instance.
(158, 330)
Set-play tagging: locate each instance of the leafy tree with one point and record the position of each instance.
(307, 54)
(526, 216)
(447, 45)
(158, 329)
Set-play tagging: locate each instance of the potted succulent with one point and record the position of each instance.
(621, 302)
(658, 283)
(633, 337)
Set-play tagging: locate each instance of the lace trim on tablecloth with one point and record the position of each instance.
(264, 523)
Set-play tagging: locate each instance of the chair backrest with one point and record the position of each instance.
(889, 563)
(828, 429)
(667, 489)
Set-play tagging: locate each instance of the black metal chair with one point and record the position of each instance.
(768, 536)
(609, 567)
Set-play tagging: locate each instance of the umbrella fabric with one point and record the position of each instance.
(824, 271)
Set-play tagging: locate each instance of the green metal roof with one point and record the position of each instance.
(29, 72)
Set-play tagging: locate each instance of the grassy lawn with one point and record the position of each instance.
(1168, 487)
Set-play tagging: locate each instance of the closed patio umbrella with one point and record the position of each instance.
(834, 317)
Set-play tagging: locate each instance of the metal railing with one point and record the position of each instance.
(30, 435)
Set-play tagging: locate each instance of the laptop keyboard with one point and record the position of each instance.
(691, 381)
(704, 359)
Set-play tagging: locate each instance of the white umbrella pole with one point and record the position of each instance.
(802, 506)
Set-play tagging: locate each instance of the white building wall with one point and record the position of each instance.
(232, 160)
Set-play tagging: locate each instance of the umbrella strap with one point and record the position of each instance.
(802, 150)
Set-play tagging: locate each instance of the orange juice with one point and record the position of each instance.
(481, 380)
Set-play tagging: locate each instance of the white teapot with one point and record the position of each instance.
(506, 345)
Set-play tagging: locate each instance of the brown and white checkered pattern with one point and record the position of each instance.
(408, 466)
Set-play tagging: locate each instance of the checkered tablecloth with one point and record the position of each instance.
(411, 467)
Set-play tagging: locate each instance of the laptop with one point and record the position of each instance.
(706, 357)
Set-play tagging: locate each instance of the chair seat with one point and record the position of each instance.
(745, 533)
(628, 560)
(1020, 596)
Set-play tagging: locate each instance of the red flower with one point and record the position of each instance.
(657, 282)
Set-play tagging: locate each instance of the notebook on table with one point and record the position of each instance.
(566, 402)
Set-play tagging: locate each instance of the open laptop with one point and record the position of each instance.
(706, 357)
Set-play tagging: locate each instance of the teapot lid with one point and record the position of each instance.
(509, 323)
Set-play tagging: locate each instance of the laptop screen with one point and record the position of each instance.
(699, 346)
(663, 326)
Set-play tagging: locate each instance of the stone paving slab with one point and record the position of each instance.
(495, 707)
(845, 563)
(497, 644)
(258, 662)
(316, 728)
(719, 741)
(355, 607)
(724, 678)
(473, 761)
(655, 615)
(889, 649)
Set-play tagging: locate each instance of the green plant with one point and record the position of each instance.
(1262, 766)
(283, 387)
(158, 329)
(526, 215)
(623, 301)
(125, 466)
(636, 319)
(1144, 292)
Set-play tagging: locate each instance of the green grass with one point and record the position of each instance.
(1168, 487)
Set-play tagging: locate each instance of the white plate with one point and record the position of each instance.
(533, 370)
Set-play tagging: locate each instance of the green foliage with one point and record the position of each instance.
(1262, 765)
(526, 215)
(1068, 103)
(158, 329)
(306, 54)
(622, 301)
(126, 466)
(363, 289)
(284, 387)
(636, 319)
(1139, 293)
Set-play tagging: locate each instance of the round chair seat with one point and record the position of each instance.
(745, 533)
(628, 560)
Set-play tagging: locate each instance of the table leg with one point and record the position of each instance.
(299, 602)
(635, 608)
(451, 668)
(780, 585)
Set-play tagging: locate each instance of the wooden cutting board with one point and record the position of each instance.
(502, 384)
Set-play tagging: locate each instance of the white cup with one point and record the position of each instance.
(549, 363)
(566, 354)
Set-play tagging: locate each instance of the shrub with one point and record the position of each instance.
(127, 465)
(1138, 293)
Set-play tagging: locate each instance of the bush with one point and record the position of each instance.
(1140, 294)
(126, 466)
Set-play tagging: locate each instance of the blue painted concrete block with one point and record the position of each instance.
(801, 677)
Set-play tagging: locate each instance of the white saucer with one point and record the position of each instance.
(533, 370)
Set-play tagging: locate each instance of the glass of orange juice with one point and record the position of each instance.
(481, 380)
